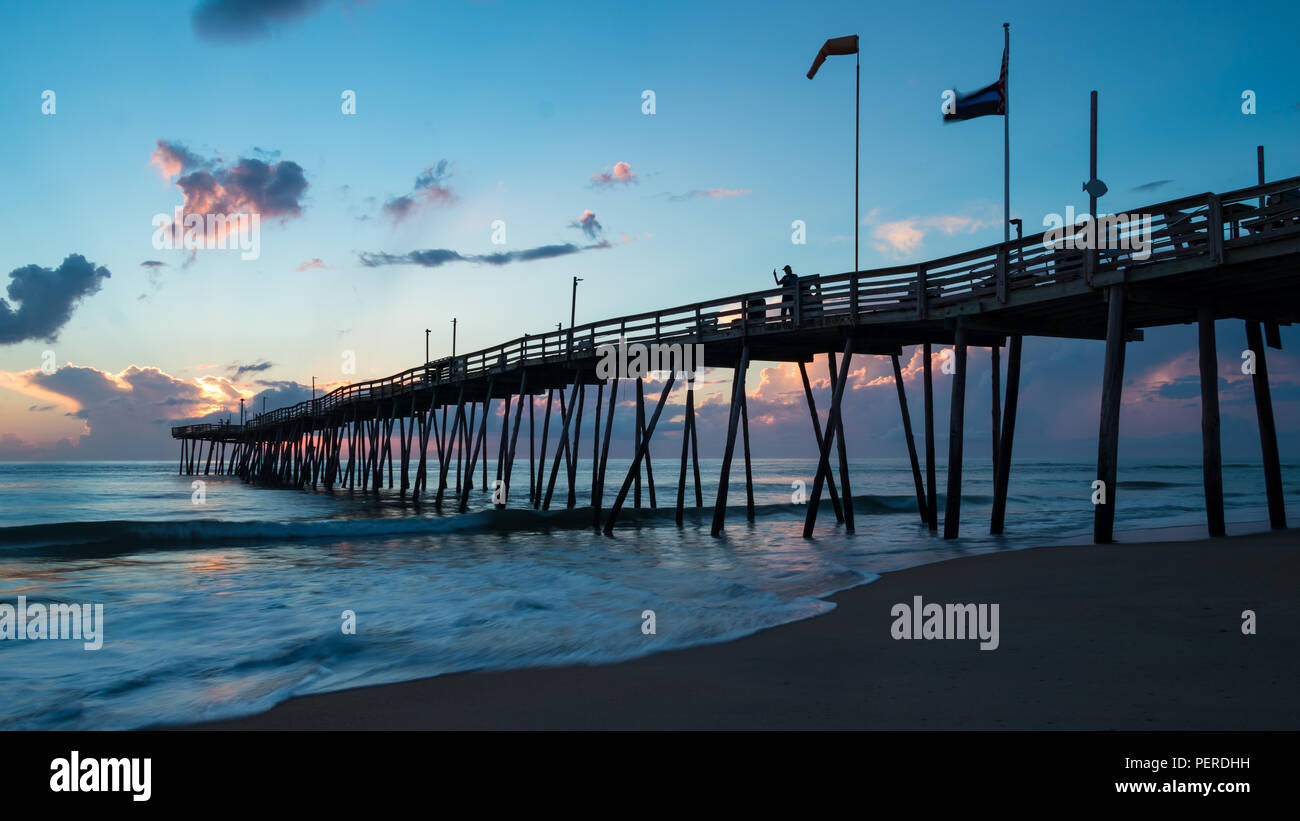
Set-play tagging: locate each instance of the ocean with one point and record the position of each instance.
(227, 607)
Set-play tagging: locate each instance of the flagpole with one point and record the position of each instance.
(1006, 138)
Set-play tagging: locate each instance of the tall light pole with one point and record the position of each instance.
(848, 45)
(573, 311)
(241, 411)
(426, 344)
(453, 337)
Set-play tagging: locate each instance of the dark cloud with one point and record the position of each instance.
(247, 19)
(127, 414)
(238, 370)
(47, 297)
(41, 408)
(155, 282)
(250, 186)
(1151, 186)
(280, 393)
(588, 224)
(430, 189)
(437, 257)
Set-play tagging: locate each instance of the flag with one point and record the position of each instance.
(835, 45)
(990, 100)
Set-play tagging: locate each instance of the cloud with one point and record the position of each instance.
(128, 415)
(902, 238)
(1151, 186)
(250, 186)
(154, 267)
(429, 189)
(621, 173)
(437, 257)
(588, 224)
(710, 193)
(257, 367)
(314, 262)
(247, 19)
(48, 297)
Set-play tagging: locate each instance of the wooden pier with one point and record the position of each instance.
(1212, 256)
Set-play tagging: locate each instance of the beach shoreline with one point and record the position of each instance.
(1129, 636)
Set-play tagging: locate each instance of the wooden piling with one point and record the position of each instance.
(640, 455)
(514, 436)
(956, 429)
(995, 360)
(577, 436)
(1211, 456)
(1267, 429)
(595, 450)
(911, 442)
(446, 456)
(1112, 383)
(478, 447)
(686, 447)
(1006, 439)
(562, 447)
(532, 450)
(724, 476)
(541, 461)
(817, 434)
(846, 491)
(604, 449)
(931, 485)
(637, 432)
(695, 444)
(749, 471)
(824, 457)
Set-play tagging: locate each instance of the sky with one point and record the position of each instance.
(528, 120)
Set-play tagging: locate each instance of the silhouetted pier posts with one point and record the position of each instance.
(690, 445)
(1112, 383)
(724, 476)
(817, 434)
(1267, 428)
(1230, 255)
(833, 424)
(911, 442)
(642, 450)
(931, 493)
(956, 430)
(846, 492)
(1211, 456)
(1002, 470)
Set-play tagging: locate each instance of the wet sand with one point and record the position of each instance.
(1144, 636)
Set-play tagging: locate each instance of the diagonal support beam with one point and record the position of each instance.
(640, 456)
(832, 424)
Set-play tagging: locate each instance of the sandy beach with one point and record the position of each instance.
(1127, 636)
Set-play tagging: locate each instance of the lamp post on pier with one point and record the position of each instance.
(573, 311)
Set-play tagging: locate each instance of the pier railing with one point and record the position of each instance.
(1197, 226)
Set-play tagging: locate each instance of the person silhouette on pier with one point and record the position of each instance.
(788, 284)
